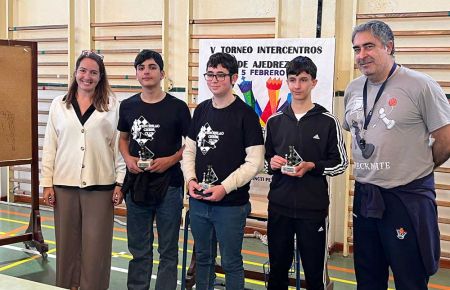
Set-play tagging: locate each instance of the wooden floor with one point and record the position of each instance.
(17, 261)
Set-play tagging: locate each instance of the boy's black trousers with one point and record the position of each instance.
(311, 242)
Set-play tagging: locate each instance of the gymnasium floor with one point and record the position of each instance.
(16, 261)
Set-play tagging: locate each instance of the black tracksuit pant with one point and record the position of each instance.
(311, 242)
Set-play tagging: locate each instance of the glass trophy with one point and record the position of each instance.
(209, 177)
(293, 159)
(145, 157)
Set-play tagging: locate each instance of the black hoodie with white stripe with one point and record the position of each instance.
(317, 137)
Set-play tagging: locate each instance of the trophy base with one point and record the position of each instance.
(202, 193)
(143, 164)
(204, 187)
(287, 169)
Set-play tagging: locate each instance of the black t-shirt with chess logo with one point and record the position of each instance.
(221, 136)
(159, 127)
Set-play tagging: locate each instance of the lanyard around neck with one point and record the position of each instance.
(380, 91)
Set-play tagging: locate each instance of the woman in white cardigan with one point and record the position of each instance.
(82, 172)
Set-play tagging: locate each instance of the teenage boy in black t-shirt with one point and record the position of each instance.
(224, 151)
(151, 125)
(308, 138)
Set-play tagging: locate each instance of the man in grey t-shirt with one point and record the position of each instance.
(400, 125)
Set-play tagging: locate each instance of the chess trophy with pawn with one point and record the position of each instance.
(209, 177)
(145, 157)
(293, 159)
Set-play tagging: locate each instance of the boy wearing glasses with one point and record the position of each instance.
(224, 151)
(152, 125)
(304, 144)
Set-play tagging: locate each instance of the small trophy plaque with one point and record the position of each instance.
(145, 157)
(293, 159)
(209, 177)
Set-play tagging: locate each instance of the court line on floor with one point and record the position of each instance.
(123, 240)
(244, 251)
(24, 223)
(18, 263)
(331, 267)
(15, 213)
(341, 269)
(113, 268)
(122, 270)
(17, 230)
(246, 262)
(14, 231)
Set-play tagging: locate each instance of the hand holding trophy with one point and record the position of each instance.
(209, 177)
(145, 157)
(293, 159)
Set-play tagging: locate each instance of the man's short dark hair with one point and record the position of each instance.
(149, 54)
(227, 60)
(301, 64)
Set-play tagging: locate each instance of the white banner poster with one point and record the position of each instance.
(262, 76)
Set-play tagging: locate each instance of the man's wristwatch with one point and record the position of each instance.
(119, 184)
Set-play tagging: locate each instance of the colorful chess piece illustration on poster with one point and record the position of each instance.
(273, 91)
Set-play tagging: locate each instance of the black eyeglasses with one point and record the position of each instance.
(219, 77)
(91, 52)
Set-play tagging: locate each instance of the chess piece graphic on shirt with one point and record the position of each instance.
(145, 157)
(207, 138)
(293, 159)
(389, 123)
(366, 148)
(209, 177)
(385, 111)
